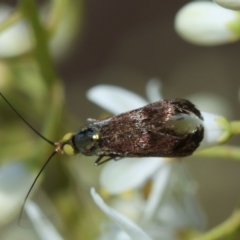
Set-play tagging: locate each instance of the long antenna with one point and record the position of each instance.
(45, 164)
(38, 133)
(35, 180)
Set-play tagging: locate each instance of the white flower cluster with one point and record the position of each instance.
(207, 23)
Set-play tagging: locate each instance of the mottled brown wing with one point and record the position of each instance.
(150, 131)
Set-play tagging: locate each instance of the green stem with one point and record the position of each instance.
(234, 26)
(224, 229)
(225, 151)
(52, 121)
(235, 127)
(55, 94)
(11, 20)
(57, 14)
(30, 11)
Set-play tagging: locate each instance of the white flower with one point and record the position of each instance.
(205, 23)
(16, 39)
(230, 4)
(14, 184)
(169, 209)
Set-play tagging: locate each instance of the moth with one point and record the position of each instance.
(169, 128)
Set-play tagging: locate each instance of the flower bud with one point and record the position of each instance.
(205, 23)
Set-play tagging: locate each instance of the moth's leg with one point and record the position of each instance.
(99, 162)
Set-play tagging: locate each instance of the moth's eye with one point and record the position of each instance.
(68, 149)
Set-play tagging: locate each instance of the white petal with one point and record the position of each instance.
(179, 213)
(132, 229)
(15, 181)
(158, 191)
(180, 208)
(195, 216)
(130, 205)
(115, 99)
(128, 173)
(16, 39)
(211, 102)
(205, 23)
(42, 225)
(230, 4)
(216, 130)
(161, 231)
(110, 231)
(154, 90)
